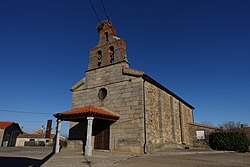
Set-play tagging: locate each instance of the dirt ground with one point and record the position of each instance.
(41, 156)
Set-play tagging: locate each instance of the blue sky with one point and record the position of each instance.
(198, 49)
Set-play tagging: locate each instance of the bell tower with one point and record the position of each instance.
(110, 48)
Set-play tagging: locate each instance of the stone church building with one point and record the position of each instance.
(117, 108)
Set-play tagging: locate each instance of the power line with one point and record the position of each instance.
(118, 93)
(105, 10)
(94, 11)
(29, 121)
(25, 112)
(107, 24)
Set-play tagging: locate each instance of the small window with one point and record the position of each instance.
(32, 139)
(112, 54)
(107, 36)
(200, 134)
(102, 93)
(99, 57)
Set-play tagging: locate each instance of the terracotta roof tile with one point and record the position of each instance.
(28, 135)
(85, 112)
(4, 124)
(38, 131)
(205, 126)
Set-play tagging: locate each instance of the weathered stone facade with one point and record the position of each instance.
(124, 98)
(207, 129)
(151, 116)
(167, 118)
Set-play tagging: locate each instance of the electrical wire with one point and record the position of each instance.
(25, 112)
(27, 121)
(107, 24)
(105, 10)
(94, 11)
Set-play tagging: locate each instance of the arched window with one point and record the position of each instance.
(112, 54)
(107, 36)
(99, 57)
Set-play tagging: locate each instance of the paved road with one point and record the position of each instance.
(40, 156)
(188, 159)
(24, 156)
(195, 160)
(68, 158)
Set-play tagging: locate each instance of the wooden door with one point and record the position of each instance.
(102, 132)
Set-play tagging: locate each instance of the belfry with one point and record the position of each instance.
(109, 50)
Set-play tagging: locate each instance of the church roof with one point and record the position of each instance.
(87, 111)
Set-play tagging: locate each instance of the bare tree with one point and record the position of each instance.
(207, 123)
(232, 126)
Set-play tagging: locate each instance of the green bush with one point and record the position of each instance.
(229, 141)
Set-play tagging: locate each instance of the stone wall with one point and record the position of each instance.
(200, 127)
(167, 118)
(177, 120)
(188, 117)
(78, 131)
(153, 113)
(124, 98)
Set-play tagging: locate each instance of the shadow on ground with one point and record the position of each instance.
(87, 162)
(23, 161)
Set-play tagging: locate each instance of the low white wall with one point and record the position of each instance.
(1, 136)
(20, 142)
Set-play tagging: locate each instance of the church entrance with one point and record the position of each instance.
(102, 134)
(96, 123)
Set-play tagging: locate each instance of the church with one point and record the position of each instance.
(117, 108)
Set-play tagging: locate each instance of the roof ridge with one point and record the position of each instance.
(5, 124)
(87, 111)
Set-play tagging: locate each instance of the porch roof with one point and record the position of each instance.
(87, 111)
